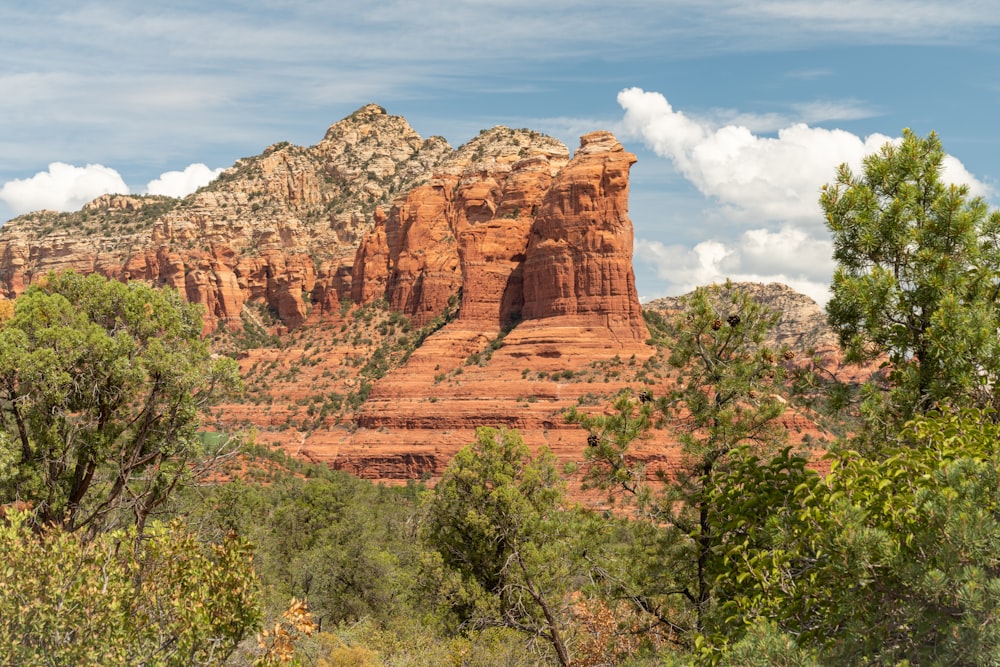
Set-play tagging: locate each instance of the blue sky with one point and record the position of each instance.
(738, 110)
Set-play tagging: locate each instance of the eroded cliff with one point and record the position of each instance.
(386, 295)
(281, 227)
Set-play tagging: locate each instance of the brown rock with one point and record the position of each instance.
(466, 229)
(579, 257)
(492, 246)
(423, 255)
(303, 203)
(370, 274)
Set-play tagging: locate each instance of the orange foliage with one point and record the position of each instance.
(278, 644)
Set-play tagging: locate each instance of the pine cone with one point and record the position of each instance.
(788, 355)
(593, 440)
(733, 320)
(717, 324)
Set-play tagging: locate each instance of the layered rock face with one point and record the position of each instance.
(579, 257)
(281, 227)
(535, 238)
(467, 230)
(506, 220)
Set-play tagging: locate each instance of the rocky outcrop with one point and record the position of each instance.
(281, 227)
(801, 321)
(530, 238)
(802, 327)
(422, 255)
(223, 281)
(579, 257)
(507, 221)
(466, 230)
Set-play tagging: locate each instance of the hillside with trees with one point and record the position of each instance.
(134, 532)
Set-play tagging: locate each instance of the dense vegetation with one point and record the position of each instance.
(115, 547)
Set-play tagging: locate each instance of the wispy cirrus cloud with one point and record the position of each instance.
(904, 21)
(113, 73)
(817, 111)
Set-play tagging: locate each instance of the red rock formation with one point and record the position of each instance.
(423, 255)
(281, 227)
(535, 239)
(579, 257)
(493, 224)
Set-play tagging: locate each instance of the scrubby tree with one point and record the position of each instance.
(101, 385)
(495, 519)
(167, 599)
(726, 398)
(890, 559)
(916, 281)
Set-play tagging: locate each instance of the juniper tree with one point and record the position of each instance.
(101, 384)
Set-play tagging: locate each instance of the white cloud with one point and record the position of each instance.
(789, 251)
(755, 178)
(787, 256)
(769, 183)
(683, 268)
(182, 183)
(953, 171)
(63, 187)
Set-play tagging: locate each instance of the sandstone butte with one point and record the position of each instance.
(527, 251)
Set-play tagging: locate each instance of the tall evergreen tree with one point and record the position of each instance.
(916, 281)
(725, 398)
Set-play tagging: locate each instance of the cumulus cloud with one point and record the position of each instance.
(758, 178)
(754, 177)
(182, 183)
(769, 182)
(63, 187)
(786, 256)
